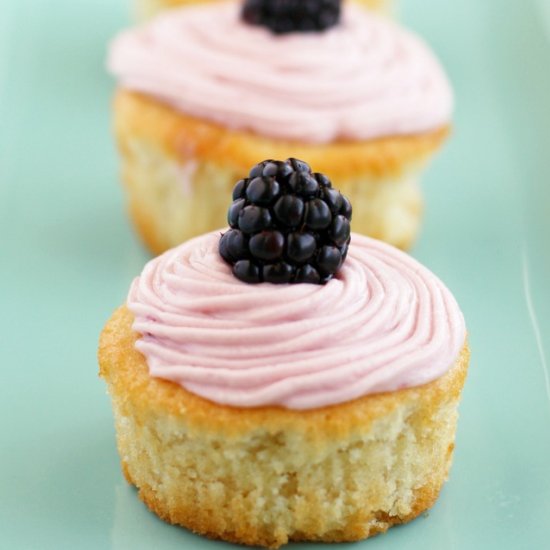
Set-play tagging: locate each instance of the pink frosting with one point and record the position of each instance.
(362, 79)
(384, 323)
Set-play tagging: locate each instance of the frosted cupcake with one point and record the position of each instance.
(149, 8)
(260, 413)
(203, 93)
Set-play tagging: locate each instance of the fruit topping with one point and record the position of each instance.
(285, 16)
(287, 225)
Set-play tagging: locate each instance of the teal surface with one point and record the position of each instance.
(67, 256)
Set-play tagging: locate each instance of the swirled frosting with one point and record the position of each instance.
(363, 79)
(382, 324)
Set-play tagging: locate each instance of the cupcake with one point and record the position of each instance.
(203, 93)
(320, 409)
(148, 8)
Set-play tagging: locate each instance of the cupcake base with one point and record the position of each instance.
(179, 172)
(146, 9)
(266, 476)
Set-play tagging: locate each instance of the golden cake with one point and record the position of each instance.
(149, 8)
(202, 94)
(255, 407)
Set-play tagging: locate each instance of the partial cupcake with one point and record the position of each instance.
(319, 408)
(202, 93)
(146, 9)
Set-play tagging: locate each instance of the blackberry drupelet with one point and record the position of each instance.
(288, 225)
(285, 16)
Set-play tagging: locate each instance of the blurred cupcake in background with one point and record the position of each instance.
(149, 8)
(205, 91)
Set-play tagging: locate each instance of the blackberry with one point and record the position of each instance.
(287, 225)
(285, 16)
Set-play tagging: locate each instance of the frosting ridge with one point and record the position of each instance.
(383, 323)
(363, 79)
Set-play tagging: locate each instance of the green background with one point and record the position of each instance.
(67, 256)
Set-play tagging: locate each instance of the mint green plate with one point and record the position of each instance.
(67, 256)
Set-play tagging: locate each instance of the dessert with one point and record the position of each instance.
(260, 413)
(148, 8)
(202, 94)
